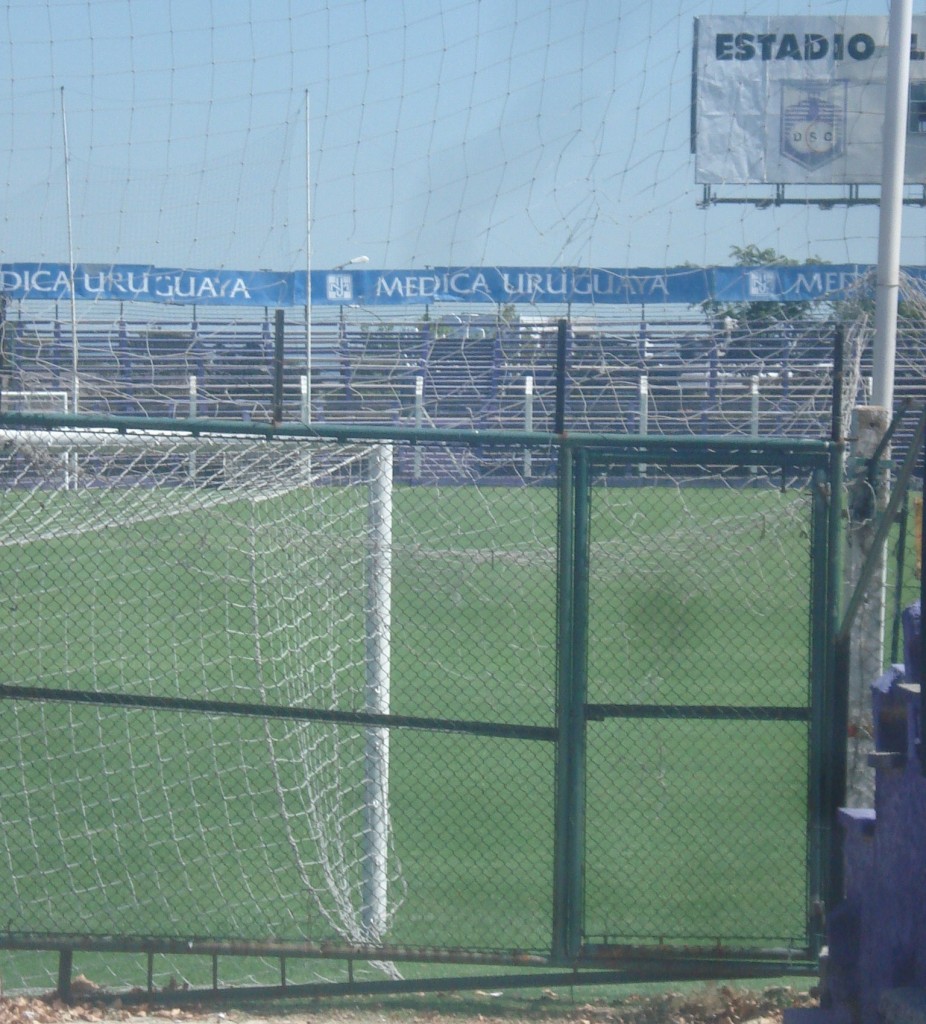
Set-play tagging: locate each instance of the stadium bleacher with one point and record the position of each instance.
(681, 374)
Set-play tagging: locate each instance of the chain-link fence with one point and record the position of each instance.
(470, 698)
(698, 658)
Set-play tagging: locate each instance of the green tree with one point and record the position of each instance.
(762, 312)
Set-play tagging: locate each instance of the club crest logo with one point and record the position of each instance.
(762, 284)
(813, 122)
(339, 287)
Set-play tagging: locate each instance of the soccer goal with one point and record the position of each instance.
(199, 647)
(34, 401)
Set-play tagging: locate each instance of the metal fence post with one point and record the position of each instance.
(835, 704)
(278, 356)
(822, 731)
(569, 811)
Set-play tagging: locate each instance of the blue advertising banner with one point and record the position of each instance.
(503, 285)
(128, 282)
(813, 282)
(499, 286)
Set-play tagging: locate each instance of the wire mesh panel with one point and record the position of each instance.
(282, 690)
(689, 823)
(473, 824)
(698, 671)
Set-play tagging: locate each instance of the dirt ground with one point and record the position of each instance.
(708, 1005)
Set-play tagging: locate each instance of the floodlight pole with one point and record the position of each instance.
(892, 184)
(71, 269)
(866, 655)
(308, 263)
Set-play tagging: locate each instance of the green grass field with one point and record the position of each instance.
(168, 823)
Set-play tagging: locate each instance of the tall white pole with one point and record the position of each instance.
(867, 642)
(308, 261)
(378, 671)
(892, 183)
(71, 273)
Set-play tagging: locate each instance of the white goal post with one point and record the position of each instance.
(34, 401)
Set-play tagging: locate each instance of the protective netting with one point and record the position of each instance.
(235, 571)
(447, 135)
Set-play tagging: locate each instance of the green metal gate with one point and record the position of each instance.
(696, 708)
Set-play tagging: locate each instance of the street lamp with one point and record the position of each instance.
(352, 262)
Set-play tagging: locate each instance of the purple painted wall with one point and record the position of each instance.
(877, 935)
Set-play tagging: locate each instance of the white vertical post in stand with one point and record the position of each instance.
(304, 398)
(68, 456)
(419, 420)
(194, 412)
(644, 414)
(378, 670)
(754, 412)
(528, 420)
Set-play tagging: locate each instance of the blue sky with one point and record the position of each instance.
(446, 132)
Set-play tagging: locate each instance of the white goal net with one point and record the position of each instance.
(161, 591)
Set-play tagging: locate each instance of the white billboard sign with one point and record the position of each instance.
(781, 100)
